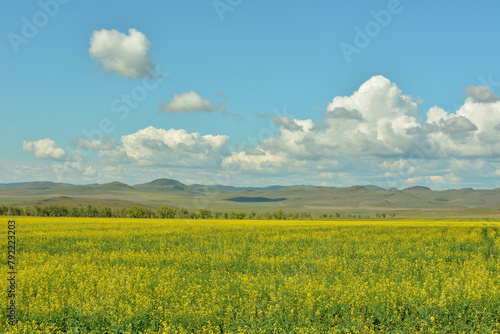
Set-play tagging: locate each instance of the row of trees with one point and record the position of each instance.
(165, 212)
(57, 210)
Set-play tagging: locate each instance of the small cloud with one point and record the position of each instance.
(221, 107)
(263, 116)
(221, 94)
(125, 55)
(89, 171)
(187, 102)
(481, 94)
(437, 179)
(45, 149)
(413, 180)
(225, 113)
(287, 123)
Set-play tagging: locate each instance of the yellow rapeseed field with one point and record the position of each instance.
(92, 275)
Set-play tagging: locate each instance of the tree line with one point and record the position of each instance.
(136, 211)
(163, 212)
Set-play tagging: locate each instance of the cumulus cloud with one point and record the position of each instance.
(187, 102)
(373, 121)
(469, 132)
(124, 55)
(377, 131)
(45, 149)
(152, 146)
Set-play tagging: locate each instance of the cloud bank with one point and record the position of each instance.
(375, 135)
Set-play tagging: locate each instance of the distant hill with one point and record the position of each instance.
(113, 186)
(8, 185)
(163, 183)
(33, 185)
(417, 188)
(359, 199)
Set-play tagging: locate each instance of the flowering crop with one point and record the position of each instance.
(96, 275)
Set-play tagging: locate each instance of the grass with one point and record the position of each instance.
(89, 275)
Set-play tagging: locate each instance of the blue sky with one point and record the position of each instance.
(251, 92)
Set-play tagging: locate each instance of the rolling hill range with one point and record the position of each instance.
(413, 201)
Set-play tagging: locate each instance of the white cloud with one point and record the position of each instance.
(152, 146)
(413, 180)
(187, 102)
(89, 171)
(45, 149)
(124, 55)
(377, 99)
(70, 171)
(373, 136)
(470, 132)
(373, 121)
(376, 134)
(257, 162)
(377, 121)
(437, 179)
(467, 165)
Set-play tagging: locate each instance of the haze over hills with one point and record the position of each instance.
(368, 198)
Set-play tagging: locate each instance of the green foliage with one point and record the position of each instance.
(166, 212)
